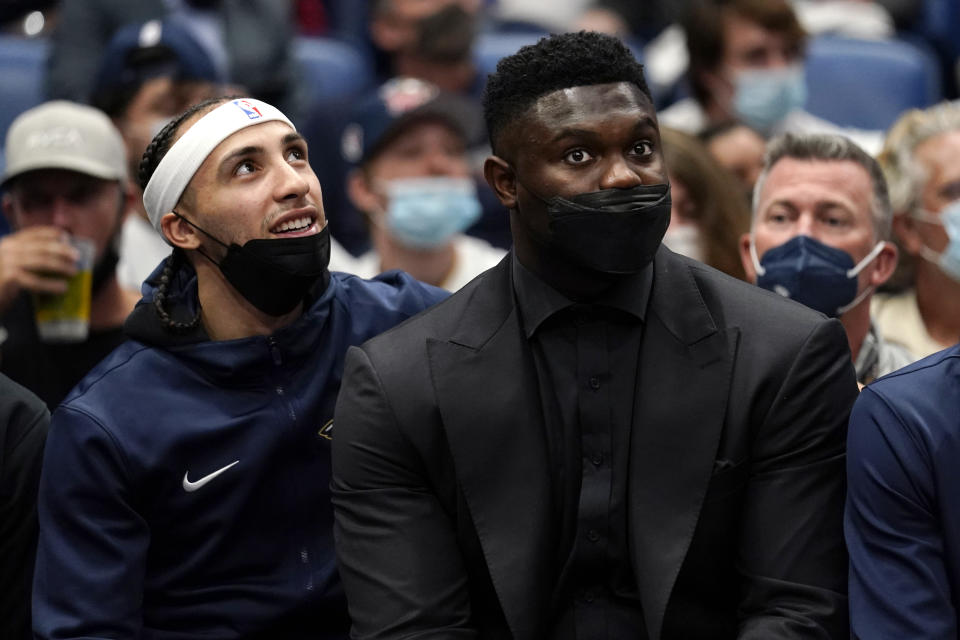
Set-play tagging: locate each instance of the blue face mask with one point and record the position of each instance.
(949, 259)
(424, 213)
(813, 274)
(763, 97)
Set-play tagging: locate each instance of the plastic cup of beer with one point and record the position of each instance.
(66, 317)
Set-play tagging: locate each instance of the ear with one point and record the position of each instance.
(362, 196)
(905, 228)
(885, 264)
(502, 180)
(179, 232)
(745, 260)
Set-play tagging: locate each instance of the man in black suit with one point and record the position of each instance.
(596, 438)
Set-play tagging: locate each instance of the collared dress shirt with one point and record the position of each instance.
(586, 356)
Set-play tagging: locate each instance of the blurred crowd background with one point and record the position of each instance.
(864, 63)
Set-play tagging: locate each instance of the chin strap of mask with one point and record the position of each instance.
(204, 232)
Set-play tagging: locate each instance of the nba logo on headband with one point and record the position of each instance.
(251, 111)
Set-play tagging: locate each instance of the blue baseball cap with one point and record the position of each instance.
(384, 114)
(139, 52)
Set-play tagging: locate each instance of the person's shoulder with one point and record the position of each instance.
(734, 302)
(130, 367)
(388, 290)
(919, 399)
(20, 412)
(440, 320)
(372, 306)
(922, 380)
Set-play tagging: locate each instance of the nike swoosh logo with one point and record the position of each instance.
(193, 486)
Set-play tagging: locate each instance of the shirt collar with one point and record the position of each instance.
(537, 301)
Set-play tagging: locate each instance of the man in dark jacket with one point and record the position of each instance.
(597, 438)
(185, 485)
(23, 429)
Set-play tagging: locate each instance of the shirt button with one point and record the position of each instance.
(592, 535)
(597, 459)
(594, 383)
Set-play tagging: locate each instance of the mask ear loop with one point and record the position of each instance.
(852, 273)
(926, 252)
(199, 250)
(753, 256)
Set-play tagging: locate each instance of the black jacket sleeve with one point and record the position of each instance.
(24, 420)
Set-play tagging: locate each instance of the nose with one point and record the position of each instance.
(439, 163)
(619, 175)
(291, 183)
(805, 225)
(61, 213)
(778, 58)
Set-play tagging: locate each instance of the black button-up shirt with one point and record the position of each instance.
(586, 357)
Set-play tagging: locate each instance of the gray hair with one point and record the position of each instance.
(830, 147)
(906, 177)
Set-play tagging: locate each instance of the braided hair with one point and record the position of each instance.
(154, 153)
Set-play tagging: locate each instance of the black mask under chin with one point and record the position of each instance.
(275, 274)
(612, 231)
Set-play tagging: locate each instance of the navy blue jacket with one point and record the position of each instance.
(185, 489)
(902, 520)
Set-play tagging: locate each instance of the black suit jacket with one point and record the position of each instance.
(444, 523)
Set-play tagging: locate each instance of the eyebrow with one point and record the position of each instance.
(243, 151)
(253, 150)
(571, 132)
(292, 137)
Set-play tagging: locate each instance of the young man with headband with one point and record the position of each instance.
(185, 483)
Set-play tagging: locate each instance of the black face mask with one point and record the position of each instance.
(274, 274)
(613, 231)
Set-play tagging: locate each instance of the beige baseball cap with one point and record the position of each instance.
(65, 135)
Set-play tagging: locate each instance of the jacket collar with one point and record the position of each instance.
(226, 360)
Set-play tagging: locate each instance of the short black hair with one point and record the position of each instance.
(555, 62)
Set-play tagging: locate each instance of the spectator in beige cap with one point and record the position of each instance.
(65, 178)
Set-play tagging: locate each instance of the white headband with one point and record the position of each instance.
(177, 167)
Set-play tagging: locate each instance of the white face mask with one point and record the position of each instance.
(425, 213)
(763, 97)
(949, 259)
(685, 240)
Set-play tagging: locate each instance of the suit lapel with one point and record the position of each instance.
(684, 376)
(488, 396)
